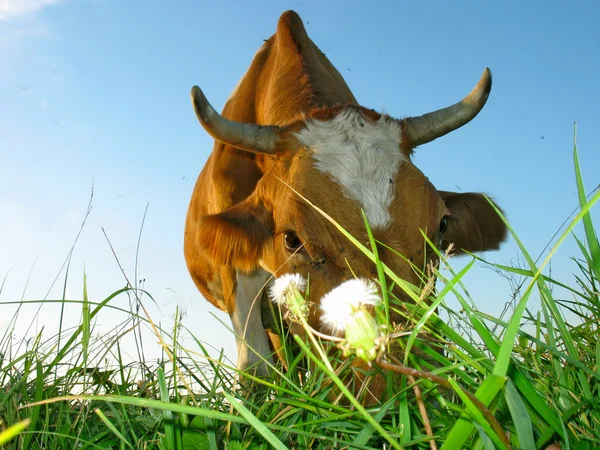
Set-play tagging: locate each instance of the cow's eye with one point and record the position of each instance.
(292, 241)
(443, 225)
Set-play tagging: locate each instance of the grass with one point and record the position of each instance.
(525, 380)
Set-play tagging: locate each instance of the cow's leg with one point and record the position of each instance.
(251, 337)
(271, 323)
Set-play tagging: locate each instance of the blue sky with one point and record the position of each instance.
(97, 91)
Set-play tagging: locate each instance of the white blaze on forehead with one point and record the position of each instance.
(363, 157)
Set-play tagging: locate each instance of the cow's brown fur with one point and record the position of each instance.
(241, 207)
(288, 77)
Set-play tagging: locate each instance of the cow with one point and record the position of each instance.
(292, 126)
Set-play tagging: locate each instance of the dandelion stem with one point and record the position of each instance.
(423, 411)
(327, 337)
(325, 361)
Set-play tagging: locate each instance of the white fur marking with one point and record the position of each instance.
(251, 337)
(363, 157)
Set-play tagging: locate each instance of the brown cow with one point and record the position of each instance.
(293, 120)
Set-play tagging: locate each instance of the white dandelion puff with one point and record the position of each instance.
(340, 304)
(284, 285)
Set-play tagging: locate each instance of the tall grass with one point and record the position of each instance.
(527, 381)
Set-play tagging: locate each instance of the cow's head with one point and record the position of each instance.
(345, 159)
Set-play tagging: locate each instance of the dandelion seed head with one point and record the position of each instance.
(282, 286)
(338, 305)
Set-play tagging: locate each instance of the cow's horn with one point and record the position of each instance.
(430, 126)
(247, 136)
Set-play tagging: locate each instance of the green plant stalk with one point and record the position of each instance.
(85, 322)
(379, 266)
(325, 365)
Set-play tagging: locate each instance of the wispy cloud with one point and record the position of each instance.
(15, 8)
(21, 30)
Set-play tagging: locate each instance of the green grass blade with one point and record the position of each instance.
(484, 439)
(85, 322)
(530, 274)
(147, 403)
(347, 393)
(39, 395)
(255, 423)
(474, 319)
(210, 431)
(171, 431)
(380, 269)
(520, 416)
(75, 336)
(478, 419)
(432, 309)
(535, 400)
(505, 354)
(367, 432)
(487, 392)
(404, 413)
(112, 428)
(588, 226)
(13, 431)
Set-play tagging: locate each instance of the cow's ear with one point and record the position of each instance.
(237, 236)
(473, 225)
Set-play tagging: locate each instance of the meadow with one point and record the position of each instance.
(524, 380)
